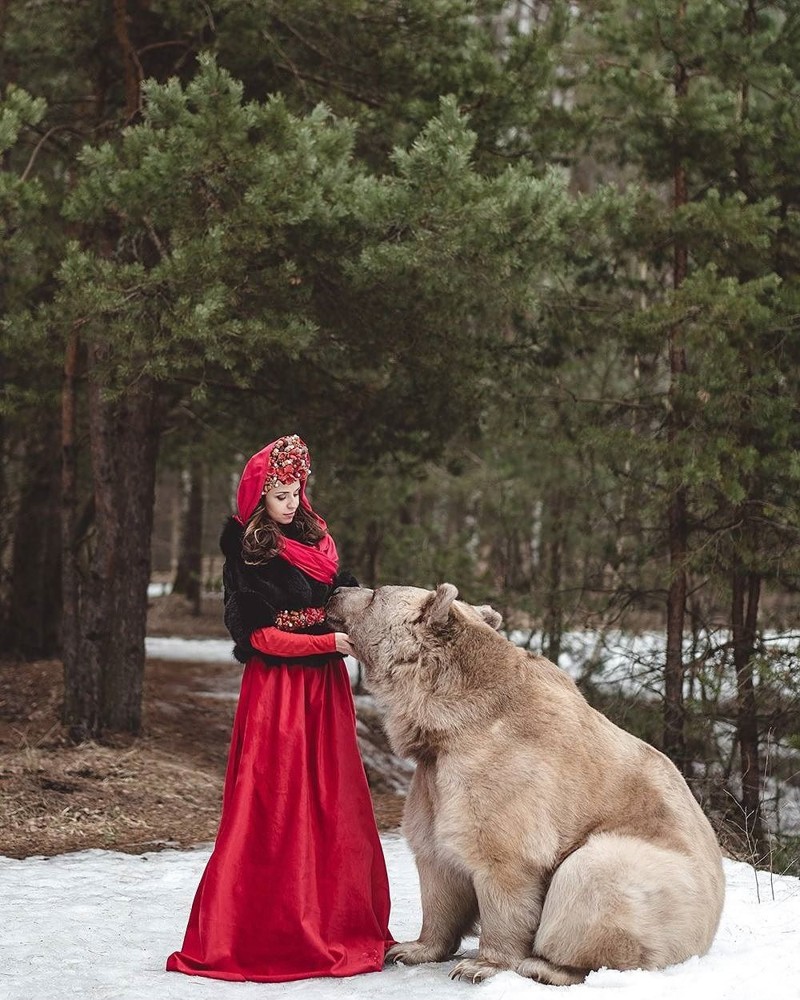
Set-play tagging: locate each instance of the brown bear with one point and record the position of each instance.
(571, 843)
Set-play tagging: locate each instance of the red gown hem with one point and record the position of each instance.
(237, 977)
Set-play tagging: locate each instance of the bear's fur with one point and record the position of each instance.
(573, 844)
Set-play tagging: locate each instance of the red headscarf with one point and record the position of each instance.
(320, 561)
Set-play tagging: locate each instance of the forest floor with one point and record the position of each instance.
(160, 789)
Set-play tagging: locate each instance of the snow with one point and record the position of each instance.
(206, 651)
(98, 925)
(633, 662)
(191, 650)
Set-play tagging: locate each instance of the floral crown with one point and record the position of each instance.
(288, 460)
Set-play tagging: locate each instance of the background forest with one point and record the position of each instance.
(524, 275)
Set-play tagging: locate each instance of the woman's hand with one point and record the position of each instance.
(343, 644)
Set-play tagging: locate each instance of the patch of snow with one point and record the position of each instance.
(98, 925)
(192, 650)
(207, 651)
(633, 663)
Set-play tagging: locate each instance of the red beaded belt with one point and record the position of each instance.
(288, 621)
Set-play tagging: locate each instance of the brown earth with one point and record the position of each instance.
(161, 789)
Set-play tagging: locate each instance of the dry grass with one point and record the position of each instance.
(162, 788)
(96, 796)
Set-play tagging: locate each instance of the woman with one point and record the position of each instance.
(296, 885)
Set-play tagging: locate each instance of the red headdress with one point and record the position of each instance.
(283, 461)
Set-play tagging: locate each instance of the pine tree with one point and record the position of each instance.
(703, 99)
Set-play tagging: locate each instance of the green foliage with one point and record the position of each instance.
(21, 200)
(387, 65)
(356, 245)
(704, 89)
(231, 235)
(23, 254)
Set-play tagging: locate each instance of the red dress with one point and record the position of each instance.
(296, 886)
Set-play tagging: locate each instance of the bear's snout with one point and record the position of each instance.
(345, 602)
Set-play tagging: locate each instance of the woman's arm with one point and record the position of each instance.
(275, 642)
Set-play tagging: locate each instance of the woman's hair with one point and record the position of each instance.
(263, 539)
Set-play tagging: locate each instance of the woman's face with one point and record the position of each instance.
(282, 501)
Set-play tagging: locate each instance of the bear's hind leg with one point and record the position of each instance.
(621, 903)
(551, 975)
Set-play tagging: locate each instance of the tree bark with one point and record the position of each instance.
(105, 621)
(81, 673)
(97, 598)
(373, 540)
(69, 500)
(553, 626)
(189, 572)
(674, 670)
(130, 60)
(123, 679)
(69, 477)
(677, 516)
(746, 585)
(746, 589)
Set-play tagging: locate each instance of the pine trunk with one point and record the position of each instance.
(105, 623)
(81, 672)
(746, 590)
(554, 613)
(677, 521)
(372, 552)
(69, 517)
(674, 670)
(123, 678)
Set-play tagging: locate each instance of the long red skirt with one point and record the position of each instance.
(296, 886)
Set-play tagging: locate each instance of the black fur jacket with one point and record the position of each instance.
(255, 594)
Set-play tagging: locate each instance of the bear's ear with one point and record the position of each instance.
(489, 615)
(437, 607)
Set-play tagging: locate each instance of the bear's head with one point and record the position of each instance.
(392, 628)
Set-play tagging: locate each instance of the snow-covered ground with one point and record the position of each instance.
(193, 650)
(98, 925)
(633, 662)
(206, 651)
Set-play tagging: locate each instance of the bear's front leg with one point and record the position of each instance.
(449, 909)
(509, 915)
